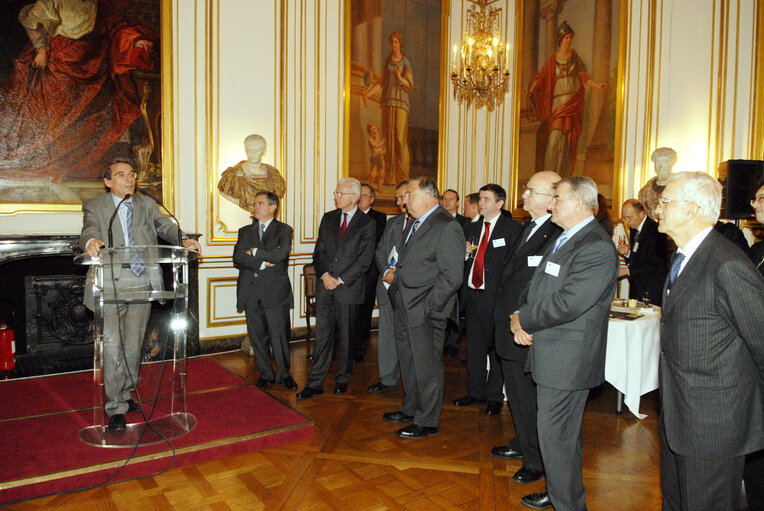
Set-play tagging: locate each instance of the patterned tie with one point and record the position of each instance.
(414, 227)
(562, 239)
(477, 266)
(525, 235)
(676, 264)
(262, 231)
(406, 225)
(136, 263)
(344, 224)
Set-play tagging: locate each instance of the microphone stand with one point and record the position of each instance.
(180, 232)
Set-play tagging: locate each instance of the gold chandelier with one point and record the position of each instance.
(480, 70)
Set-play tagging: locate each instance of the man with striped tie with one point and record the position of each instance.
(138, 222)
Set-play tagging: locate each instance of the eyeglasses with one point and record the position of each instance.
(758, 200)
(365, 196)
(339, 195)
(124, 175)
(557, 198)
(663, 201)
(531, 191)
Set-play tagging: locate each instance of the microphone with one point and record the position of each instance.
(113, 216)
(147, 194)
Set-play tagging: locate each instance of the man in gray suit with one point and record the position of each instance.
(138, 222)
(712, 352)
(386, 260)
(423, 292)
(563, 317)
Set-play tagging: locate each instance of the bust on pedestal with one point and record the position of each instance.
(242, 182)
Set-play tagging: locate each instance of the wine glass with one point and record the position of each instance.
(646, 298)
(473, 245)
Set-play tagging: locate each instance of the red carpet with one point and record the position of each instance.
(40, 419)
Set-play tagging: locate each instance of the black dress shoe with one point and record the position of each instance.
(340, 388)
(493, 408)
(289, 383)
(133, 407)
(117, 423)
(309, 392)
(527, 476)
(358, 357)
(397, 417)
(467, 401)
(537, 501)
(379, 388)
(506, 452)
(262, 383)
(416, 431)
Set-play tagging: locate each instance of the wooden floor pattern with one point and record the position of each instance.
(356, 462)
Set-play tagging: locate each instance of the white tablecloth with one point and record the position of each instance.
(631, 364)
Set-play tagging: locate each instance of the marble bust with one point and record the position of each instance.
(664, 159)
(242, 182)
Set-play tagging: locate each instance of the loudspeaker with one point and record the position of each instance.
(740, 180)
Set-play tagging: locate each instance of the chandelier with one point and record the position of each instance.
(480, 70)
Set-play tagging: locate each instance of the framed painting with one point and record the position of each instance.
(392, 92)
(82, 82)
(570, 71)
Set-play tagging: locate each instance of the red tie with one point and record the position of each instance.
(477, 266)
(408, 219)
(344, 224)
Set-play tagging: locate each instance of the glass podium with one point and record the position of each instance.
(163, 278)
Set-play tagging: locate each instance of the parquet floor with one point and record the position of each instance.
(356, 462)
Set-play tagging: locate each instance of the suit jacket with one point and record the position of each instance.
(712, 354)
(149, 224)
(503, 238)
(568, 313)
(647, 265)
(430, 269)
(348, 258)
(463, 221)
(392, 237)
(271, 285)
(516, 275)
(372, 274)
(757, 254)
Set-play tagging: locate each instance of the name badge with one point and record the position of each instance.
(534, 261)
(552, 269)
(636, 247)
(499, 243)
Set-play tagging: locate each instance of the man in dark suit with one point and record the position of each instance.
(495, 234)
(712, 353)
(423, 292)
(138, 222)
(538, 237)
(344, 250)
(263, 289)
(471, 209)
(386, 259)
(757, 250)
(563, 317)
(450, 202)
(646, 257)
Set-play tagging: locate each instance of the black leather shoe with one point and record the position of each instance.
(379, 388)
(358, 357)
(133, 407)
(493, 408)
(289, 383)
(506, 452)
(397, 417)
(262, 383)
(117, 423)
(340, 388)
(415, 431)
(527, 476)
(450, 351)
(309, 392)
(467, 401)
(537, 501)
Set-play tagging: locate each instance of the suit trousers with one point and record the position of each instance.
(269, 329)
(362, 334)
(521, 398)
(480, 344)
(420, 354)
(699, 484)
(124, 326)
(387, 351)
(560, 413)
(331, 315)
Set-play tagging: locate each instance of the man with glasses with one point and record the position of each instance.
(757, 250)
(712, 353)
(563, 317)
(138, 222)
(344, 250)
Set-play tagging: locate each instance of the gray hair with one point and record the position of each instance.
(355, 185)
(583, 187)
(427, 185)
(664, 153)
(701, 189)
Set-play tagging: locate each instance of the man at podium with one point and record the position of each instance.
(138, 221)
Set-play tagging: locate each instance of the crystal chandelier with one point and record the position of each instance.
(480, 71)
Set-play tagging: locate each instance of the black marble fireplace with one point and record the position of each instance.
(42, 302)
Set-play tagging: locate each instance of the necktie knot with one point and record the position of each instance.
(560, 241)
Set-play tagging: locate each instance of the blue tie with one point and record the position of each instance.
(136, 263)
(562, 239)
(675, 265)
